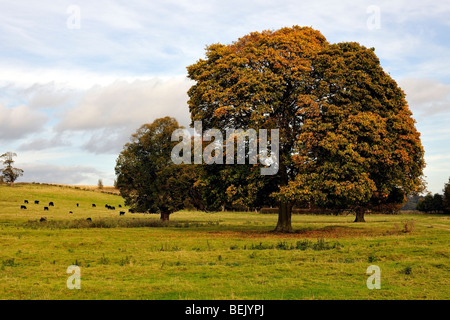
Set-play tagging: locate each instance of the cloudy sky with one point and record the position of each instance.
(77, 78)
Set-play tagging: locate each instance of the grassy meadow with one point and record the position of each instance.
(223, 255)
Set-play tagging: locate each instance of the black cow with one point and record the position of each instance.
(36, 202)
(70, 212)
(51, 204)
(120, 206)
(43, 219)
(45, 208)
(78, 205)
(130, 210)
(122, 213)
(93, 205)
(25, 201)
(23, 207)
(113, 208)
(88, 219)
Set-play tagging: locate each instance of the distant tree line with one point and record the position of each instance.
(436, 203)
(411, 202)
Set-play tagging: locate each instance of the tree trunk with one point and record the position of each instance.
(285, 209)
(284, 218)
(359, 215)
(165, 216)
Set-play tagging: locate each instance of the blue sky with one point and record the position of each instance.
(77, 78)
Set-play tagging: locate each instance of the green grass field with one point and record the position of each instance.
(211, 255)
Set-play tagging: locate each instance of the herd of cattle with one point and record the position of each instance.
(51, 204)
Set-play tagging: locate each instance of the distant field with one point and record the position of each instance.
(201, 255)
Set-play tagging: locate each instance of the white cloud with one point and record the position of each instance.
(426, 96)
(108, 140)
(19, 121)
(129, 104)
(43, 143)
(62, 80)
(103, 109)
(97, 84)
(47, 95)
(51, 173)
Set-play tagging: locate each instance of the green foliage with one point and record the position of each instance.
(431, 203)
(146, 176)
(358, 146)
(235, 187)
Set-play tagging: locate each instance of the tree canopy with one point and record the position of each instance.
(359, 146)
(347, 136)
(9, 174)
(146, 176)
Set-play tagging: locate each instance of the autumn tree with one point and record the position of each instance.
(9, 173)
(146, 176)
(347, 138)
(258, 82)
(359, 147)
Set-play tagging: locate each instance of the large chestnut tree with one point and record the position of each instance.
(347, 136)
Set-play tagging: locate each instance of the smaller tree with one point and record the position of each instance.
(438, 203)
(431, 203)
(425, 204)
(100, 184)
(148, 179)
(9, 173)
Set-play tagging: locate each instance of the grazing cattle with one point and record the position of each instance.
(78, 205)
(25, 201)
(120, 206)
(93, 205)
(122, 213)
(43, 219)
(70, 212)
(113, 208)
(45, 208)
(51, 204)
(36, 202)
(107, 206)
(88, 219)
(23, 207)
